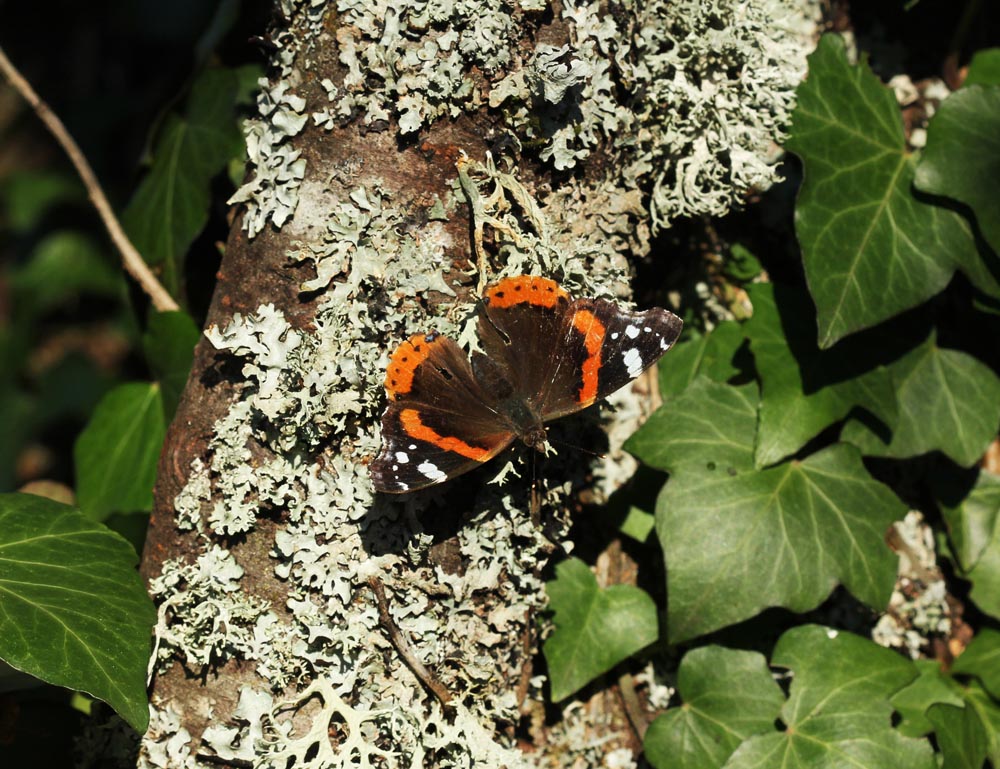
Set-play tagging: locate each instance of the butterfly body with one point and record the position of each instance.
(544, 355)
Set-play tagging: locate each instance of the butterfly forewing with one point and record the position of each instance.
(439, 421)
(602, 349)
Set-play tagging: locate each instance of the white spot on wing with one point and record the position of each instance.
(663, 344)
(430, 471)
(631, 332)
(402, 457)
(412, 447)
(615, 335)
(633, 362)
(403, 486)
(647, 329)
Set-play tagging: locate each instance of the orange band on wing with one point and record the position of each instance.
(410, 420)
(593, 330)
(409, 355)
(525, 289)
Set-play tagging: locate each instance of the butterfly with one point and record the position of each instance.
(544, 355)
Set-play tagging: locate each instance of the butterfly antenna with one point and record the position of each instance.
(577, 447)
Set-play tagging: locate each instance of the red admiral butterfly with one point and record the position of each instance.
(544, 356)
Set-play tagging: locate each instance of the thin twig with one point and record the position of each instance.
(633, 708)
(131, 258)
(402, 645)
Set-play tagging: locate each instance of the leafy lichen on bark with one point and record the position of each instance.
(267, 529)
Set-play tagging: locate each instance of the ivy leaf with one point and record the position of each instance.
(785, 536)
(73, 609)
(984, 68)
(709, 429)
(171, 205)
(949, 401)
(972, 520)
(595, 629)
(988, 712)
(710, 355)
(962, 157)
(169, 345)
(728, 696)
(985, 577)
(870, 248)
(960, 736)
(981, 659)
(804, 389)
(838, 710)
(912, 701)
(62, 267)
(117, 452)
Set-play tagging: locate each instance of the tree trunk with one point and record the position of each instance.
(391, 142)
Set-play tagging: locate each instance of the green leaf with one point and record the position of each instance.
(981, 659)
(170, 207)
(962, 157)
(29, 195)
(870, 248)
(169, 344)
(728, 696)
(785, 536)
(63, 266)
(638, 524)
(912, 701)
(708, 430)
(838, 710)
(710, 355)
(117, 452)
(985, 577)
(742, 265)
(73, 609)
(961, 736)
(971, 520)
(948, 400)
(804, 389)
(984, 69)
(988, 712)
(595, 629)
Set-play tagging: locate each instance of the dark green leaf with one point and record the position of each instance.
(988, 712)
(708, 430)
(870, 248)
(742, 265)
(962, 157)
(961, 736)
(117, 452)
(981, 659)
(63, 266)
(804, 389)
(710, 355)
(735, 545)
(728, 696)
(73, 609)
(972, 520)
(912, 701)
(595, 629)
(984, 68)
(29, 195)
(170, 207)
(985, 577)
(838, 710)
(948, 400)
(169, 344)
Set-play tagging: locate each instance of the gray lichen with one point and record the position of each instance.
(299, 431)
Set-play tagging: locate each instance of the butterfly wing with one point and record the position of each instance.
(521, 322)
(439, 422)
(601, 349)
